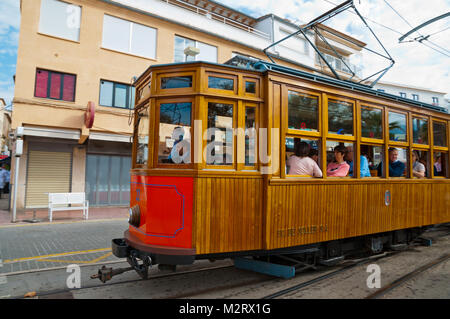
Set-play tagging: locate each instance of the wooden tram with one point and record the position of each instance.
(248, 204)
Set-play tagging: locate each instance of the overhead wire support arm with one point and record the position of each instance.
(320, 19)
(329, 14)
(332, 48)
(381, 44)
(268, 54)
(314, 25)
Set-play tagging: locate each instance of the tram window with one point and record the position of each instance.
(439, 134)
(250, 136)
(420, 131)
(371, 122)
(302, 157)
(142, 137)
(420, 164)
(250, 87)
(370, 159)
(215, 82)
(397, 127)
(174, 133)
(176, 82)
(303, 111)
(338, 158)
(340, 117)
(440, 164)
(220, 134)
(398, 163)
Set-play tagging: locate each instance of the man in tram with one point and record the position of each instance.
(364, 164)
(396, 167)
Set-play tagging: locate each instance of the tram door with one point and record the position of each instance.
(108, 180)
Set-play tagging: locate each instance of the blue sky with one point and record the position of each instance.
(416, 64)
(9, 36)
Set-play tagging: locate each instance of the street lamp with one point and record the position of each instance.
(191, 51)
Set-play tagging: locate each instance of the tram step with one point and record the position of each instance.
(332, 261)
(264, 267)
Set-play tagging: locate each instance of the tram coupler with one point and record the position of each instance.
(106, 273)
(141, 269)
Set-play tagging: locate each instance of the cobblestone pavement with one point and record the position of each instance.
(38, 246)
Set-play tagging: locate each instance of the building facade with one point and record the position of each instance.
(78, 54)
(5, 124)
(420, 94)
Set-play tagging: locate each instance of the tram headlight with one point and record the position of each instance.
(134, 215)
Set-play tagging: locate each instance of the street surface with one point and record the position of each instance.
(35, 258)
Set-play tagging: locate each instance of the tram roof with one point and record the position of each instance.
(246, 63)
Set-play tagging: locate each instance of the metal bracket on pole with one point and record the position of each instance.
(17, 151)
(314, 25)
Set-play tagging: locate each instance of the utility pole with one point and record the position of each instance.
(17, 151)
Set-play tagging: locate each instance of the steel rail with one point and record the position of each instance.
(329, 275)
(396, 283)
(59, 291)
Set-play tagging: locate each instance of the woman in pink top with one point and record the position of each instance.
(338, 168)
(301, 163)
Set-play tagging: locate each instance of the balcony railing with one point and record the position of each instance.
(338, 64)
(217, 17)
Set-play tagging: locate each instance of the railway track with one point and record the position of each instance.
(398, 282)
(343, 268)
(328, 275)
(378, 293)
(102, 285)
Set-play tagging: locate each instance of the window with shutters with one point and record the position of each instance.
(55, 85)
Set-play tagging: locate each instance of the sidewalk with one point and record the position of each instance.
(58, 216)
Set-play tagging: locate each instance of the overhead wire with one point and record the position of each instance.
(440, 31)
(398, 32)
(421, 38)
(401, 17)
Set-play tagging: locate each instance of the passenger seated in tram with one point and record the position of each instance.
(314, 154)
(301, 164)
(339, 167)
(396, 168)
(437, 166)
(418, 167)
(364, 164)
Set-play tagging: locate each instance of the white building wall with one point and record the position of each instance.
(296, 48)
(258, 38)
(425, 95)
(199, 21)
(265, 25)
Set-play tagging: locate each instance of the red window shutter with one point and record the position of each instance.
(69, 87)
(41, 83)
(55, 86)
